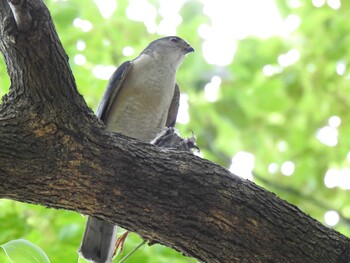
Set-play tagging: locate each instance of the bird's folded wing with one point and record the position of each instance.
(174, 108)
(114, 85)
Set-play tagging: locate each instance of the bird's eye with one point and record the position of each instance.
(174, 39)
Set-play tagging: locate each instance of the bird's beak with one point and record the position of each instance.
(189, 49)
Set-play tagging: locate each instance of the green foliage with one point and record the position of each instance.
(275, 117)
(23, 251)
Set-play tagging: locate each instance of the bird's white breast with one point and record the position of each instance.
(141, 107)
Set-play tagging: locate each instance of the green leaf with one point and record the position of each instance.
(23, 251)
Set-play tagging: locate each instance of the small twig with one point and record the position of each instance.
(132, 251)
(21, 14)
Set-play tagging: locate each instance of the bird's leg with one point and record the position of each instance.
(120, 242)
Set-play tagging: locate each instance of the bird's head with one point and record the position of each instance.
(172, 49)
(174, 44)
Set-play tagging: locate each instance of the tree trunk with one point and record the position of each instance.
(54, 152)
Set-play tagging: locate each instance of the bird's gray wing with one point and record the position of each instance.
(98, 243)
(174, 108)
(114, 84)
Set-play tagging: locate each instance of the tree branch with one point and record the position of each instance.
(54, 152)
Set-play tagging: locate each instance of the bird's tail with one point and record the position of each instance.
(99, 240)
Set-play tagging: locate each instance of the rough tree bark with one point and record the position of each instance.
(54, 152)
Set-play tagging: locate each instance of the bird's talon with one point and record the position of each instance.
(120, 242)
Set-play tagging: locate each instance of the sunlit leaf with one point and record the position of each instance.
(23, 251)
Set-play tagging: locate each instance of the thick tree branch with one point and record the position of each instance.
(55, 152)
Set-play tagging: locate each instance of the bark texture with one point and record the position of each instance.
(54, 152)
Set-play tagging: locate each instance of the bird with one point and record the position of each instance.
(140, 100)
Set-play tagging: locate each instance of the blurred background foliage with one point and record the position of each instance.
(266, 91)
